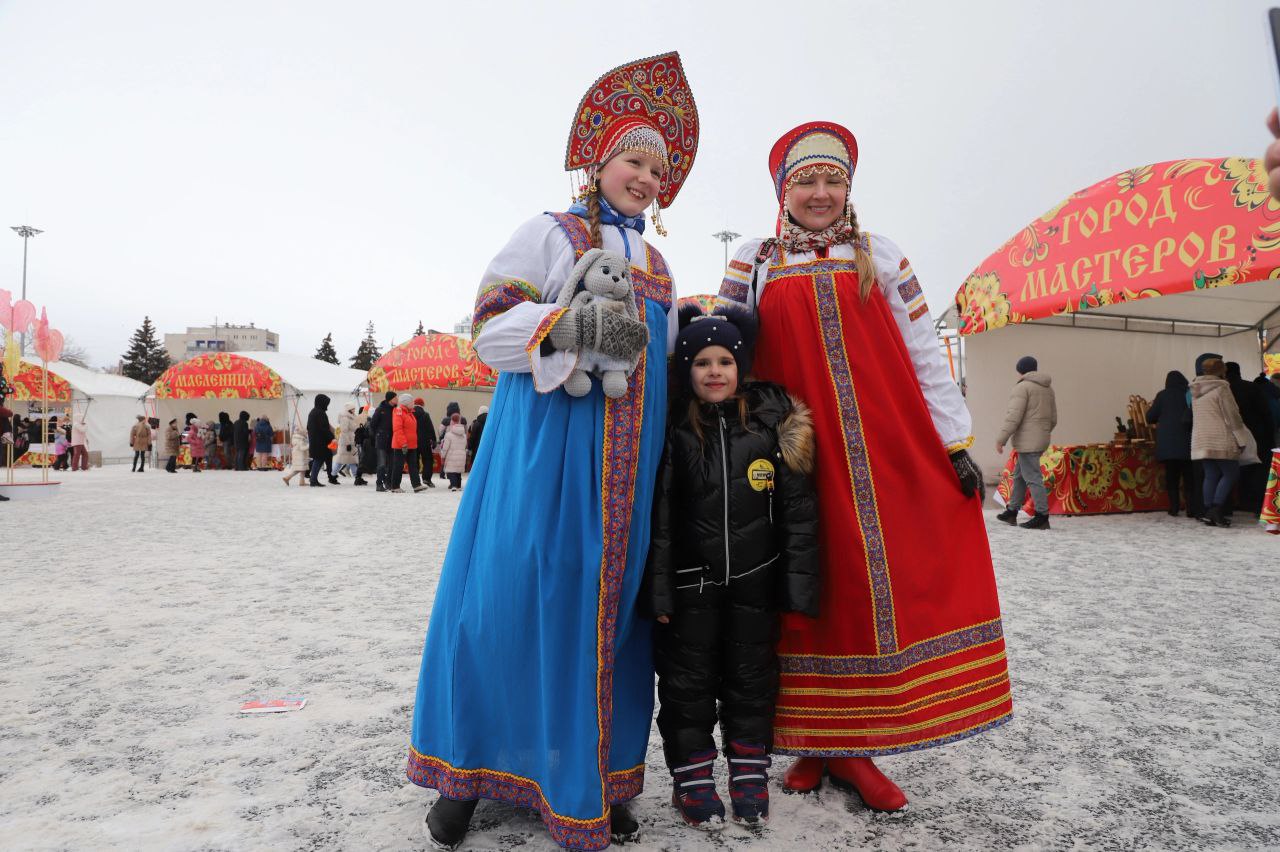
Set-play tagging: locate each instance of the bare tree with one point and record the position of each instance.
(74, 353)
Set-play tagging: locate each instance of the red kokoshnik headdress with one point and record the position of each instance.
(639, 106)
(816, 143)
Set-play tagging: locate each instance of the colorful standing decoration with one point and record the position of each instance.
(17, 318)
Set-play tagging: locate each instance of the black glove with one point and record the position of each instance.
(607, 332)
(969, 474)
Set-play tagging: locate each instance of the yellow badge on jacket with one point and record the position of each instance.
(760, 474)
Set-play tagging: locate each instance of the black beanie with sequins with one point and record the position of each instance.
(732, 327)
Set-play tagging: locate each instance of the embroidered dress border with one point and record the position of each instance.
(466, 784)
(913, 655)
(956, 446)
(922, 703)
(733, 290)
(499, 297)
(902, 748)
(812, 267)
(898, 689)
(621, 456)
(910, 289)
(864, 489)
(544, 328)
(901, 729)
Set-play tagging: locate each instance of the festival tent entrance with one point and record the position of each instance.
(1119, 284)
(281, 386)
(440, 368)
(109, 403)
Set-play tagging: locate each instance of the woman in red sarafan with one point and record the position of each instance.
(908, 651)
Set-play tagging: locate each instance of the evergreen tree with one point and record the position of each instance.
(420, 331)
(146, 358)
(368, 351)
(326, 351)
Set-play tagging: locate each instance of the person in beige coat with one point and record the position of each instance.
(453, 452)
(140, 440)
(1029, 421)
(1217, 438)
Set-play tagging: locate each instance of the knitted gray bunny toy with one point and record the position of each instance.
(602, 279)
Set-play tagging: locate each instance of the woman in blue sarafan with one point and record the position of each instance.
(537, 677)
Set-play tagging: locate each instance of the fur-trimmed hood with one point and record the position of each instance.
(795, 438)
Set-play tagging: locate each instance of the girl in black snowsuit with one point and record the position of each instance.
(734, 543)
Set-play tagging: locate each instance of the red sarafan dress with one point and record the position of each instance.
(908, 651)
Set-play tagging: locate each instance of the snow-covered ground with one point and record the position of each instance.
(138, 611)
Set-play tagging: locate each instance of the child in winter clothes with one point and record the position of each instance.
(299, 461)
(60, 448)
(734, 542)
(453, 451)
(195, 442)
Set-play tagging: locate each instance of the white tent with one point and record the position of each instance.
(1098, 357)
(302, 378)
(109, 404)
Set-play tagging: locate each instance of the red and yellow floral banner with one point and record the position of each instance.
(1095, 479)
(1271, 363)
(29, 385)
(219, 375)
(1271, 504)
(431, 361)
(707, 303)
(1151, 231)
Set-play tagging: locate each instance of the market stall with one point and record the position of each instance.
(109, 404)
(1110, 290)
(439, 368)
(281, 386)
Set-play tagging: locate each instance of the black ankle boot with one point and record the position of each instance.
(623, 827)
(1009, 516)
(448, 821)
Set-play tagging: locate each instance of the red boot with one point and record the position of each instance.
(805, 775)
(861, 775)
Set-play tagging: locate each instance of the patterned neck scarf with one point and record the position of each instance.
(609, 216)
(795, 238)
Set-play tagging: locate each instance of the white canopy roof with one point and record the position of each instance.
(308, 375)
(94, 384)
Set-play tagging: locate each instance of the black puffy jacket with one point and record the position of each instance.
(737, 501)
(380, 425)
(319, 429)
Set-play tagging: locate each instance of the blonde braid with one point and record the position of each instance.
(593, 217)
(866, 269)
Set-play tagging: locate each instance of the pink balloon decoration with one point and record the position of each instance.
(53, 345)
(23, 314)
(6, 308)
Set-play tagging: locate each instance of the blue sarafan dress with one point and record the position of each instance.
(537, 679)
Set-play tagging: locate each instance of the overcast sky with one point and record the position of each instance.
(310, 166)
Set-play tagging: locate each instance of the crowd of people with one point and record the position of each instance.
(1214, 437)
(397, 437)
(68, 441)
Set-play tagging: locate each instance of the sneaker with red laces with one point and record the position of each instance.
(695, 792)
(861, 776)
(748, 781)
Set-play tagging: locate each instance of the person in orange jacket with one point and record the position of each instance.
(404, 445)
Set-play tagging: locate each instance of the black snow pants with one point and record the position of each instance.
(718, 647)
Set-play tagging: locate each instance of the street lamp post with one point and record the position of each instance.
(726, 237)
(26, 232)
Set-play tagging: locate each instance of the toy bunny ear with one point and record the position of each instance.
(586, 262)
